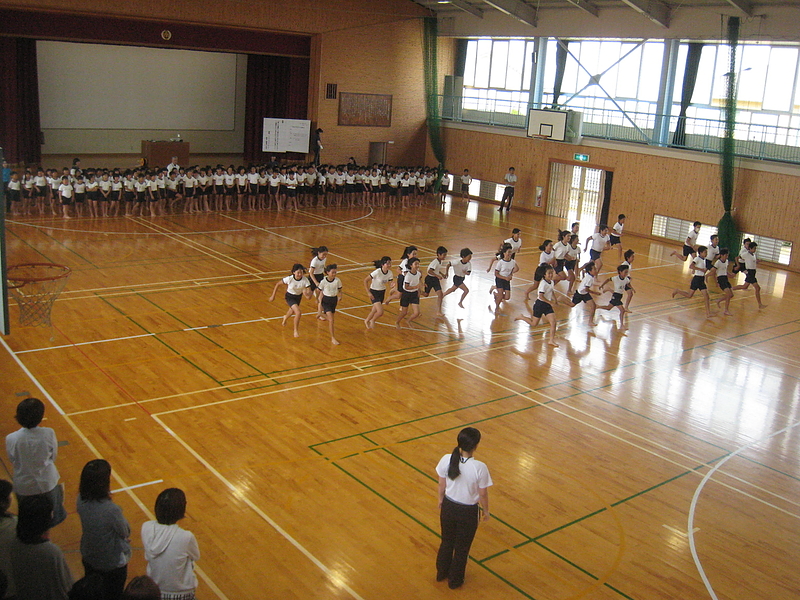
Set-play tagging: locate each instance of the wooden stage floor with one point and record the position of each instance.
(655, 463)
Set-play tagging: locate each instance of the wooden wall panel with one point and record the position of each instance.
(644, 184)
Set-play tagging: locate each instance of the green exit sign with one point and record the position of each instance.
(581, 157)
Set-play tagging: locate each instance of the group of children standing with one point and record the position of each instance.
(173, 189)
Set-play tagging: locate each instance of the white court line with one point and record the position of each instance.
(138, 485)
(693, 505)
(617, 437)
(94, 451)
(335, 580)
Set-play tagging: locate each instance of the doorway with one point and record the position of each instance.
(578, 193)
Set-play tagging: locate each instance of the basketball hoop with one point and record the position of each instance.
(35, 287)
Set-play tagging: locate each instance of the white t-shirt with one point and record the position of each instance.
(463, 489)
(515, 244)
(462, 269)
(505, 268)
(573, 253)
(560, 250)
(749, 260)
(445, 184)
(438, 266)
(586, 284)
(721, 267)
(599, 241)
(296, 286)
(380, 279)
(171, 553)
(511, 179)
(466, 179)
(700, 263)
(66, 192)
(547, 289)
(692, 237)
(330, 288)
(411, 280)
(33, 453)
(317, 265)
(619, 283)
(547, 257)
(713, 252)
(618, 228)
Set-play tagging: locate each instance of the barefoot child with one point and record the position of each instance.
(720, 270)
(410, 294)
(376, 283)
(297, 286)
(503, 274)
(620, 282)
(543, 307)
(330, 293)
(616, 234)
(461, 269)
(585, 292)
(698, 267)
(750, 263)
(600, 243)
(629, 291)
(437, 272)
(690, 245)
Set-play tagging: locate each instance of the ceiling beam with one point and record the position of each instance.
(517, 9)
(657, 12)
(585, 6)
(474, 11)
(744, 6)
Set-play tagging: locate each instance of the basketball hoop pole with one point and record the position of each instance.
(4, 322)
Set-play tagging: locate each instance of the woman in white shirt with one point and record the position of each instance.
(463, 498)
(297, 286)
(170, 550)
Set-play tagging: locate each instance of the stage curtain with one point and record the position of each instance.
(277, 88)
(689, 81)
(19, 101)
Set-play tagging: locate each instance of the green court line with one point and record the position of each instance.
(68, 249)
(29, 245)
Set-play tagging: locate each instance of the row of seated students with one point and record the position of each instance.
(33, 568)
(173, 189)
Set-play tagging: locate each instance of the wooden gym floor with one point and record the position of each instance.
(624, 462)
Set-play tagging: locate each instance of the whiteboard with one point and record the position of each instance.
(96, 86)
(286, 135)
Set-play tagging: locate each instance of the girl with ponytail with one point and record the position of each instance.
(463, 499)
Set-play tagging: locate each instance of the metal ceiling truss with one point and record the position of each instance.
(657, 12)
(466, 7)
(585, 6)
(517, 9)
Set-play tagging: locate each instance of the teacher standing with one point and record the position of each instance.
(316, 145)
(463, 500)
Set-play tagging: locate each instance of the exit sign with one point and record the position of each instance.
(581, 157)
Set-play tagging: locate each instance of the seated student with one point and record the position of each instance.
(38, 566)
(170, 550)
(33, 451)
(8, 532)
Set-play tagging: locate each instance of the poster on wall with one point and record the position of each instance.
(286, 135)
(538, 202)
(365, 110)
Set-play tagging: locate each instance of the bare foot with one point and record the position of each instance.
(711, 314)
(334, 341)
(730, 314)
(461, 305)
(283, 320)
(366, 324)
(675, 293)
(552, 343)
(320, 317)
(762, 306)
(397, 325)
(296, 333)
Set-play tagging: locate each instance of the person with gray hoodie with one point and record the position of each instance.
(170, 550)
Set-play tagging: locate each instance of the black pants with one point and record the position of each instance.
(508, 194)
(459, 524)
(113, 580)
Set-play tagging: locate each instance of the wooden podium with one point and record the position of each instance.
(159, 154)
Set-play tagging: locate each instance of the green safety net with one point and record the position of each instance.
(728, 234)
(430, 49)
